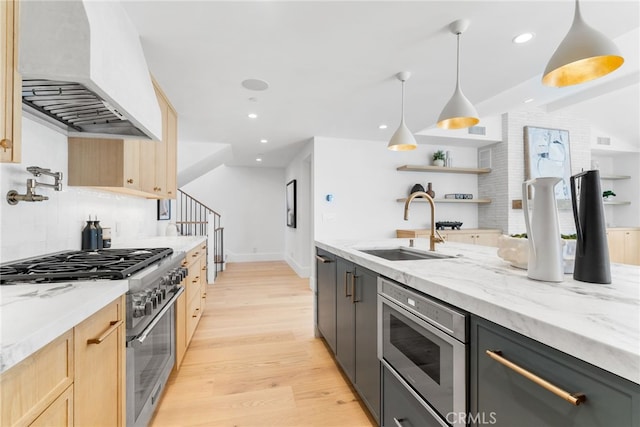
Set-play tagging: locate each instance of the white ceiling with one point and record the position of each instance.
(331, 66)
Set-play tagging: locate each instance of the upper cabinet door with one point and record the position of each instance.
(10, 84)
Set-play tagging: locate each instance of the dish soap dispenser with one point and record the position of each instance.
(90, 236)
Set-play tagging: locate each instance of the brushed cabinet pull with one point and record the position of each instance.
(195, 313)
(5, 143)
(573, 398)
(130, 181)
(346, 277)
(323, 259)
(353, 289)
(115, 324)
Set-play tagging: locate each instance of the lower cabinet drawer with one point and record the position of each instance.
(508, 398)
(400, 408)
(194, 312)
(59, 413)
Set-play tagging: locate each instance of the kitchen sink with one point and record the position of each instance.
(403, 254)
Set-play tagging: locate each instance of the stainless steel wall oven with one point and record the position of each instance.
(422, 342)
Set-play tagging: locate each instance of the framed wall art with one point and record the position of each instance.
(547, 153)
(164, 209)
(291, 204)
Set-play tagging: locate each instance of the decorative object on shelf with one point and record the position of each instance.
(454, 225)
(546, 154)
(164, 209)
(459, 113)
(430, 191)
(438, 158)
(592, 256)
(417, 187)
(608, 195)
(543, 231)
(583, 55)
(402, 139)
(291, 203)
(448, 160)
(459, 196)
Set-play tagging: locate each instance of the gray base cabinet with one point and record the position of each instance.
(326, 296)
(356, 330)
(503, 397)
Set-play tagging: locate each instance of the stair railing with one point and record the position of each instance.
(194, 218)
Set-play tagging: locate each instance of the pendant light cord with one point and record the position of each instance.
(458, 61)
(402, 108)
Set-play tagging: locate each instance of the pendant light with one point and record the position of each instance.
(459, 112)
(402, 139)
(585, 54)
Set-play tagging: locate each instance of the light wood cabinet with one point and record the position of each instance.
(480, 236)
(77, 379)
(136, 167)
(624, 245)
(28, 388)
(99, 398)
(190, 305)
(59, 413)
(10, 84)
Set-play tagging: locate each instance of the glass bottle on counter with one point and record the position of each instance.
(90, 236)
(99, 240)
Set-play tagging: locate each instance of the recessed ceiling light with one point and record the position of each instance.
(523, 38)
(255, 84)
(382, 127)
(258, 159)
(528, 100)
(264, 141)
(252, 115)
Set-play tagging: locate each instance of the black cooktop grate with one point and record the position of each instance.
(77, 265)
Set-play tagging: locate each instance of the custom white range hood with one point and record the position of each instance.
(83, 69)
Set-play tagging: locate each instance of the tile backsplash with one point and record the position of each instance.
(34, 228)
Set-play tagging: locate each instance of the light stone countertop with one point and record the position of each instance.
(33, 315)
(597, 323)
(177, 243)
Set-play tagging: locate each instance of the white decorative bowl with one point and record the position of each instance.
(515, 251)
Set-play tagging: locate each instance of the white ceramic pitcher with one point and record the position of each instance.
(543, 231)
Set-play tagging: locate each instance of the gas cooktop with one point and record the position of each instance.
(78, 265)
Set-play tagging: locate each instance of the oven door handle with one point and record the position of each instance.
(139, 340)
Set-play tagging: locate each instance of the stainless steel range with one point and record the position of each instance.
(154, 275)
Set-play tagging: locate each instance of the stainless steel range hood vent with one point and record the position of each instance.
(83, 68)
(76, 107)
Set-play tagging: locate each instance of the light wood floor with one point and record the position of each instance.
(254, 361)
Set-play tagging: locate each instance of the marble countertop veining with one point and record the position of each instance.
(597, 323)
(177, 243)
(33, 315)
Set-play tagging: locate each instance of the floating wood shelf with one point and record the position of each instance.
(477, 201)
(621, 202)
(441, 169)
(615, 177)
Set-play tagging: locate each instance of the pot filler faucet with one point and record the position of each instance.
(13, 197)
(434, 237)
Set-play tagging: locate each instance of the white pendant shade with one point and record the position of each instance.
(402, 139)
(585, 54)
(459, 112)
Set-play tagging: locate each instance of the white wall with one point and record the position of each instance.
(34, 228)
(362, 177)
(251, 201)
(298, 241)
(626, 189)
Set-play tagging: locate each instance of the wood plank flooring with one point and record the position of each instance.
(254, 361)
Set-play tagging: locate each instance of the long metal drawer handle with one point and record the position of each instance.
(398, 421)
(346, 291)
(323, 259)
(573, 398)
(353, 289)
(115, 324)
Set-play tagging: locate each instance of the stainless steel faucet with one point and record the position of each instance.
(434, 237)
(30, 196)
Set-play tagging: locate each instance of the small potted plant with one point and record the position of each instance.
(608, 195)
(438, 158)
